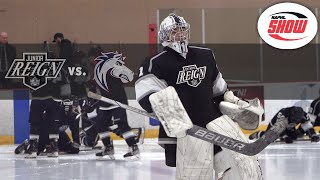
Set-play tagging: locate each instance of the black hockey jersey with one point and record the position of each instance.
(315, 107)
(314, 111)
(116, 91)
(295, 115)
(196, 79)
(53, 88)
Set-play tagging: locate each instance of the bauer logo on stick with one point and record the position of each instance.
(35, 69)
(287, 26)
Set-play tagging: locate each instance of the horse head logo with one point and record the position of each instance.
(111, 62)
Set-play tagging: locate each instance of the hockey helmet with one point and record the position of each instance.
(174, 32)
(297, 114)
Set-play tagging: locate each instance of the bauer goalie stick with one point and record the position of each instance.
(249, 149)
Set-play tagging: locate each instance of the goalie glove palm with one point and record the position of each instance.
(247, 114)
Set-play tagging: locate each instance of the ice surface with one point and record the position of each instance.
(297, 161)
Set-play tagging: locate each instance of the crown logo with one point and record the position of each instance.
(34, 81)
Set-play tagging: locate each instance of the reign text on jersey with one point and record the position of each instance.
(192, 75)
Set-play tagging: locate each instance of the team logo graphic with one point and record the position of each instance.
(191, 75)
(111, 63)
(35, 69)
(287, 26)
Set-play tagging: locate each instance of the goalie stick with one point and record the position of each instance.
(249, 149)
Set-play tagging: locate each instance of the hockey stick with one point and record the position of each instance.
(80, 114)
(249, 149)
(83, 117)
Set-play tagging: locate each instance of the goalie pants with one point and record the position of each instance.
(114, 120)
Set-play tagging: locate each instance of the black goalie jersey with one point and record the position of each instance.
(196, 79)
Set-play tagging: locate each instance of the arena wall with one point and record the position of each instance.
(127, 21)
(14, 127)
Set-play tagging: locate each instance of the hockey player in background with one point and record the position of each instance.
(78, 90)
(112, 118)
(47, 112)
(314, 111)
(194, 74)
(89, 136)
(295, 116)
(42, 102)
(38, 111)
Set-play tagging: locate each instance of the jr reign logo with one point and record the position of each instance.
(191, 75)
(35, 69)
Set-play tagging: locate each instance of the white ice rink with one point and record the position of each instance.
(297, 161)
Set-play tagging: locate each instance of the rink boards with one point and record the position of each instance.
(14, 109)
(14, 116)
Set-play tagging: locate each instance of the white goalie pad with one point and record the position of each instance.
(170, 112)
(230, 165)
(194, 159)
(247, 114)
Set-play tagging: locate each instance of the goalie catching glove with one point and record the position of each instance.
(247, 114)
(170, 112)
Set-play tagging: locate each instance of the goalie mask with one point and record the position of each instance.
(174, 32)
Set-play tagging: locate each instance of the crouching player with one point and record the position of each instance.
(296, 116)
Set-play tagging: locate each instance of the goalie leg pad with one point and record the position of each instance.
(194, 159)
(228, 164)
(167, 106)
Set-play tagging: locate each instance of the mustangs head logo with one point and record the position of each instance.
(111, 62)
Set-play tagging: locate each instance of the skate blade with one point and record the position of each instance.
(133, 158)
(42, 154)
(85, 148)
(55, 154)
(31, 156)
(105, 158)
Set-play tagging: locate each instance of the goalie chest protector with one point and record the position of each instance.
(193, 78)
